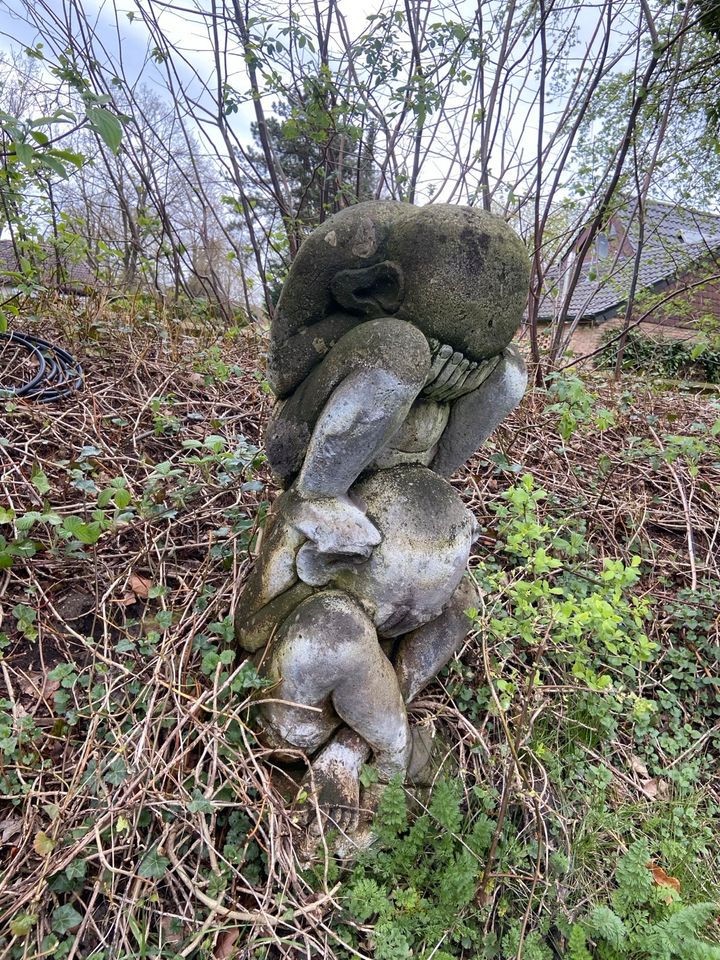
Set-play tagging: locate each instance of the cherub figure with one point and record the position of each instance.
(391, 358)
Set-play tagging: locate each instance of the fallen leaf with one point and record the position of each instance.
(661, 879)
(43, 844)
(9, 828)
(637, 766)
(140, 586)
(656, 789)
(224, 948)
(19, 713)
(172, 933)
(38, 685)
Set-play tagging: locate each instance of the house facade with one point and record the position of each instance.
(680, 255)
(53, 271)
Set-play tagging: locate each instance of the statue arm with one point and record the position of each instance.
(255, 625)
(474, 416)
(292, 359)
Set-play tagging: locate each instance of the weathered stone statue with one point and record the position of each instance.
(390, 357)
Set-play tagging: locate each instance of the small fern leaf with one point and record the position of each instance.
(577, 944)
(605, 925)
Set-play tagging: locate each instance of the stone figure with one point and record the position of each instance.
(390, 355)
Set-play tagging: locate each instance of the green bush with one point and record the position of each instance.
(662, 356)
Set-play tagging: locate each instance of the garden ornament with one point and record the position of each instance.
(391, 359)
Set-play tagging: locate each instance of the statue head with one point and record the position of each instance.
(458, 274)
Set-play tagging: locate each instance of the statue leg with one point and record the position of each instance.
(423, 653)
(330, 669)
(420, 657)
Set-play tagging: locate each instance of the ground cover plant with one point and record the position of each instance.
(139, 817)
(663, 357)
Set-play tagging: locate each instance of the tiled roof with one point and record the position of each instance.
(675, 239)
(75, 275)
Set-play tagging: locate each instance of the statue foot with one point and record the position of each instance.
(428, 757)
(336, 779)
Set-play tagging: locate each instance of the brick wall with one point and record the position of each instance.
(689, 307)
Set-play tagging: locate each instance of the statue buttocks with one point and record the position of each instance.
(391, 357)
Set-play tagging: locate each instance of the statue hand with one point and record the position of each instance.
(452, 375)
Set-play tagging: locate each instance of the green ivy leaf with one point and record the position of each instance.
(65, 918)
(76, 870)
(153, 865)
(116, 772)
(200, 804)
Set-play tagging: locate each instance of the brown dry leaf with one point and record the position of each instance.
(171, 934)
(661, 879)
(224, 948)
(663, 789)
(127, 599)
(656, 789)
(650, 787)
(140, 586)
(637, 766)
(38, 685)
(9, 828)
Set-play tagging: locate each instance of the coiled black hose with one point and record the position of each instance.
(56, 375)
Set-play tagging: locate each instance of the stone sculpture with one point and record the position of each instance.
(390, 355)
